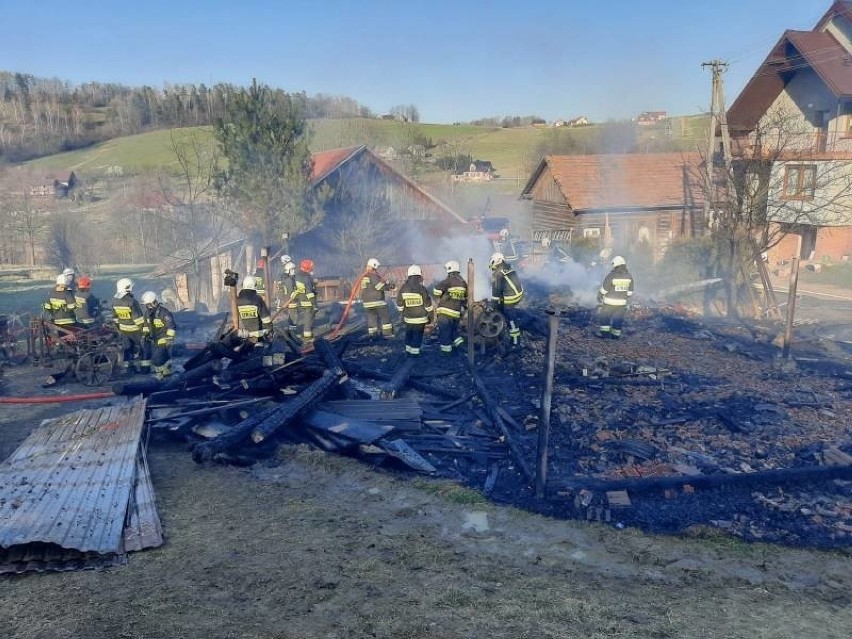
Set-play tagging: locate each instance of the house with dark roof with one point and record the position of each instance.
(795, 116)
(54, 185)
(623, 201)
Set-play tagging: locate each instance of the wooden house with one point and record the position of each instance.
(621, 201)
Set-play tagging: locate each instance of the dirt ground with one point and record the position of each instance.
(313, 545)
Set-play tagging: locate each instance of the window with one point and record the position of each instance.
(592, 232)
(799, 182)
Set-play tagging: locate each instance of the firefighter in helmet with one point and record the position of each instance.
(160, 335)
(507, 292)
(130, 320)
(451, 297)
(373, 287)
(88, 309)
(61, 306)
(415, 305)
(306, 298)
(614, 296)
(255, 319)
(286, 301)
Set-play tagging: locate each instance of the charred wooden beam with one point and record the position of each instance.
(425, 387)
(288, 411)
(514, 446)
(400, 376)
(774, 476)
(205, 451)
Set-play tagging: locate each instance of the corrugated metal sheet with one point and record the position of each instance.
(70, 482)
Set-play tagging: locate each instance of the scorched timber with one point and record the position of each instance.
(291, 409)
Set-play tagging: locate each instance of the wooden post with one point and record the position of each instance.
(267, 276)
(470, 325)
(546, 400)
(235, 314)
(791, 307)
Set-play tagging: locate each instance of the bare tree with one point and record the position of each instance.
(776, 183)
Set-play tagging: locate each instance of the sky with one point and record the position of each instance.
(456, 61)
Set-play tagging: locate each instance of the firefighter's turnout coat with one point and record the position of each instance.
(255, 318)
(451, 296)
(506, 287)
(128, 314)
(617, 287)
(372, 290)
(60, 307)
(413, 301)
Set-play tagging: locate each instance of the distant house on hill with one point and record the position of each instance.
(648, 118)
(55, 185)
(580, 121)
(478, 171)
(621, 201)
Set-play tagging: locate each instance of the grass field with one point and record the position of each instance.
(511, 151)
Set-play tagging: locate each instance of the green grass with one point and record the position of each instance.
(839, 274)
(511, 151)
(452, 492)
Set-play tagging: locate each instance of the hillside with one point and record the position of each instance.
(513, 151)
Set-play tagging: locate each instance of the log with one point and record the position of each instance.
(288, 411)
(491, 408)
(205, 451)
(400, 376)
(424, 387)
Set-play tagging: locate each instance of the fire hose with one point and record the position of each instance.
(342, 321)
(55, 399)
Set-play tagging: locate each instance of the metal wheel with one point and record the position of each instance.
(490, 324)
(94, 369)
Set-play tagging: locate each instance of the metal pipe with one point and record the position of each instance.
(791, 307)
(546, 401)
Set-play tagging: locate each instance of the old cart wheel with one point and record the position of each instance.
(93, 369)
(490, 324)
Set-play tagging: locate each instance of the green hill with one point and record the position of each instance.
(512, 151)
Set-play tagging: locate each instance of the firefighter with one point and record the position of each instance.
(60, 307)
(373, 288)
(415, 305)
(130, 320)
(451, 297)
(306, 298)
(88, 309)
(286, 302)
(613, 297)
(506, 246)
(160, 335)
(255, 319)
(507, 292)
(260, 277)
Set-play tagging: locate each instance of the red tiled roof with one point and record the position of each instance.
(628, 181)
(326, 161)
(817, 50)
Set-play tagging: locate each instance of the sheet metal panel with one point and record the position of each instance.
(70, 481)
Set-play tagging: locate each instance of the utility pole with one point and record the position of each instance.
(718, 120)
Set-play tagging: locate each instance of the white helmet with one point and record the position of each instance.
(68, 271)
(285, 259)
(618, 261)
(289, 268)
(504, 233)
(250, 282)
(452, 267)
(149, 297)
(415, 269)
(60, 280)
(496, 260)
(373, 263)
(604, 254)
(124, 285)
(545, 242)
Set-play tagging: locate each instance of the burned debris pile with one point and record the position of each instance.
(679, 424)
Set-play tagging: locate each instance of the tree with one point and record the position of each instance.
(264, 138)
(776, 184)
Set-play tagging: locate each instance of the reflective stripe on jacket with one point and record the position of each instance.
(254, 314)
(306, 290)
(372, 290)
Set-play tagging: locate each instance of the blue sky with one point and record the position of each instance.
(455, 60)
